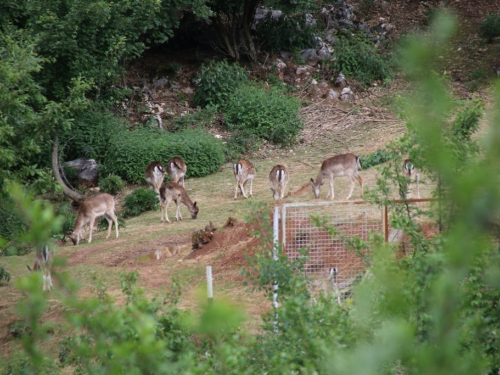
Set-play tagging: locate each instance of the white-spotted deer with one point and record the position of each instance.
(279, 179)
(244, 171)
(413, 173)
(176, 169)
(43, 263)
(172, 191)
(338, 166)
(154, 174)
(93, 207)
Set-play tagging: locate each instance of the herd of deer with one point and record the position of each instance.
(244, 172)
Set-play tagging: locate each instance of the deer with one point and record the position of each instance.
(338, 166)
(244, 171)
(176, 169)
(279, 179)
(412, 173)
(172, 191)
(93, 207)
(154, 174)
(43, 263)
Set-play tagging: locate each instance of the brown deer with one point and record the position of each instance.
(172, 191)
(176, 169)
(413, 174)
(338, 166)
(244, 171)
(154, 174)
(93, 207)
(279, 179)
(43, 263)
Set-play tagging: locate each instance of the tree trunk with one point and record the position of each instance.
(77, 197)
(248, 17)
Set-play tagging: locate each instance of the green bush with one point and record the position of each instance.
(267, 114)
(356, 57)
(285, 33)
(90, 134)
(12, 224)
(141, 200)
(217, 82)
(4, 275)
(375, 158)
(129, 153)
(204, 118)
(112, 184)
(490, 27)
(241, 142)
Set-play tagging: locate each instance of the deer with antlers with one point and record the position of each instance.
(43, 263)
(93, 207)
(154, 174)
(244, 172)
(279, 179)
(172, 191)
(338, 166)
(413, 174)
(176, 169)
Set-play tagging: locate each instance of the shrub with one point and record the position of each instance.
(204, 118)
(375, 158)
(12, 225)
(141, 200)
(285, 33)
(266, 114)
(490, 27)
(217, 81)
(241, 142)
(90, 134)
(359, 59)
(130, 152)
(4, 275)
(112, 184)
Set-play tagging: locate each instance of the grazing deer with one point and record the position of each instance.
(412, 173)
(176, 169)
(338, 166)
(93, 207)
(279, 179)
(43, 262)
(172, 191)
(244, 171)
(155, 173)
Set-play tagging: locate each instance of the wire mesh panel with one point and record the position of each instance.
(324, 229)
(421, 211)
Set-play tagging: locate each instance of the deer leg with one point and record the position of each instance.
(351, 178)
(242, 188)
(360, 180)
(332, 193)
(251, 185)
(164, 210)
(236, 190)
(178, 214)
(92, 221)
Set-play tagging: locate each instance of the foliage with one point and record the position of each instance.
(90, 134)
(489, 28)
(12, 225)
(203, 118)
(111, 184)
(217, 82)
(241, 142)
(268, 114)
(4, 275)
(356, 57)
(141, 200)
(287, 33)
(129, 153)
(375, 158)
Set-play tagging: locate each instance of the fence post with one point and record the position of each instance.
(209, 286)
(276, 237)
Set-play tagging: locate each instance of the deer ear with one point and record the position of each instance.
(312, 181)
(322, 182)
(194, 204)
(29, 268)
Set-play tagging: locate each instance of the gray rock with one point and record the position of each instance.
(341, 81)
(286, 55)
(87, 171)
(309, 54)
(279, 64)
(347, 94)
(302, 70)
(332, 94)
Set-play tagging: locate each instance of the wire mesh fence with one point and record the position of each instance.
(421, 211)
(325, 230)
